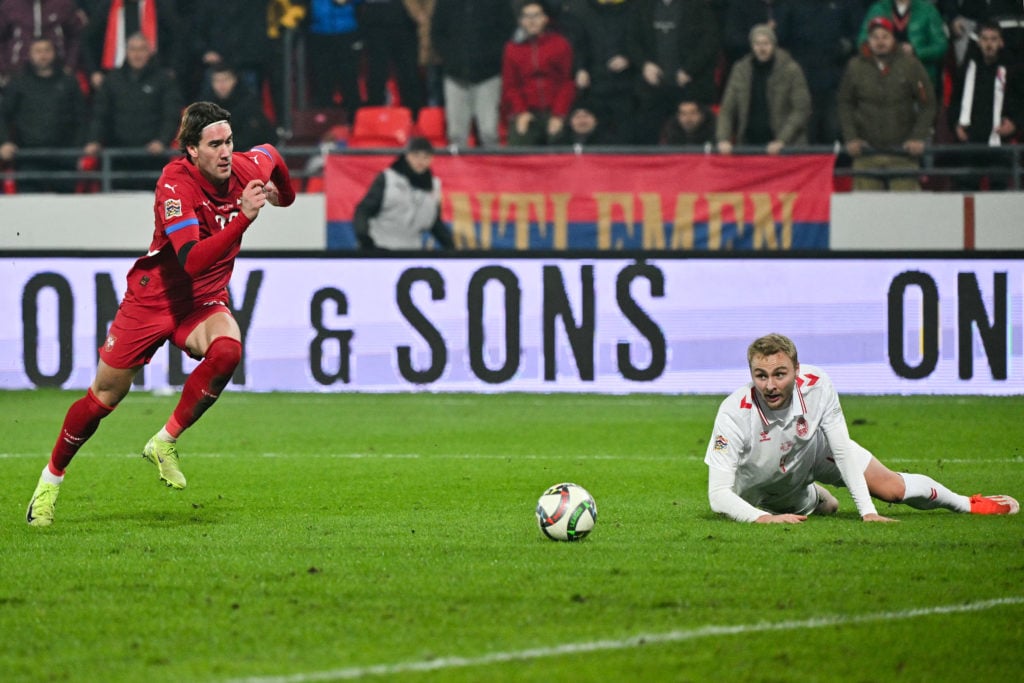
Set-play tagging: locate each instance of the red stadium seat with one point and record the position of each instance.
(430, 123)
(381, 127)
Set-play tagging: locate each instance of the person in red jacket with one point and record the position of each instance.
(178, 292)
(536, 79)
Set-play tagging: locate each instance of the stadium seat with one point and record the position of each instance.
(430, 123)
(381, 127)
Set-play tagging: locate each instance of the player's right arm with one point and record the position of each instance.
(195, 254)
(728, 443)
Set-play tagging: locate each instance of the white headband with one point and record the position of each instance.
(214, 123)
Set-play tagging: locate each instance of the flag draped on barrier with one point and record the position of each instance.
(611, 201)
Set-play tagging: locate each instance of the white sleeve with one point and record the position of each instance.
(838, 435)
(724, 500)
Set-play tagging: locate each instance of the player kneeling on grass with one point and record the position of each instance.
(785, 431)
(205, 200)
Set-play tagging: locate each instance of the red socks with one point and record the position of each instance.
(205, 383)
(81, 421)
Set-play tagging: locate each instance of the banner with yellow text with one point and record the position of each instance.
(611, 201)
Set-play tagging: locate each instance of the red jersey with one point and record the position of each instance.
(186, 201)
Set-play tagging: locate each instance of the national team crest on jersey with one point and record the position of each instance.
(801, 426)
(721, 443)
(172, 209)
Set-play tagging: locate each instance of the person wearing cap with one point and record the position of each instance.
(918, 28)
(766, 101)
(403, 204)
(886, 108)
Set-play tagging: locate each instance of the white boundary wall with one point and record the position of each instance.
(860, 221)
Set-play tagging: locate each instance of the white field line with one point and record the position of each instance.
(677, 636)
(1014, 460)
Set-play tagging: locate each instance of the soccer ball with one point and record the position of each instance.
(566, 512)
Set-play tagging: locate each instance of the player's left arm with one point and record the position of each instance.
(838, 434)
(279, 189)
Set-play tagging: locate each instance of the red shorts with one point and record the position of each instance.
(138, 332)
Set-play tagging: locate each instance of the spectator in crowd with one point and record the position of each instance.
(766, 101)
(985, 106)
(111, 22)
(886, 111)
(821, 35)
(403, 204)
(137, 108)
(22, 21)
(536, 79)
(42, 107)
(674, 45)
(233, 32)
(333, 53)
(598, 30)
(740, 17)
(919, 31)
(693, 125)
(469, 36)
(422, 12)
(390, 44)
(249, 123)
(584, 127)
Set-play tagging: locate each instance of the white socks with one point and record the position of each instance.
(165, 435)
(49, 477)
(924, 493)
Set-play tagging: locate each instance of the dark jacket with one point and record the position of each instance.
(821, 35)
(43, 112)
(697, 39)
(59, 21)
(470, 35)
(133, 108)
(598, 32)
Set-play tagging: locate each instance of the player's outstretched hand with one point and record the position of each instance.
(781, 519)
(878, 518)
(253, 199)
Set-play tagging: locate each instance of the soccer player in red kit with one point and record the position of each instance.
(205, 201)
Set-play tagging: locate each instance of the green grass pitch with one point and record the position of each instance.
(392, 537)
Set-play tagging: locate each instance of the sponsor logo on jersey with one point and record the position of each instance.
(172, 209)
(721, 443)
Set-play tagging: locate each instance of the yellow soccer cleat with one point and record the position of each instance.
(164, 454)
(40, 508)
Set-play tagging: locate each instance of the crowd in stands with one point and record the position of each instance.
(716, 74)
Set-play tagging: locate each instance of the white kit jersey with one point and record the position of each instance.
(772, 454)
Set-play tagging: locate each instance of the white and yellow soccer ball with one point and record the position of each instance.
(566, 512)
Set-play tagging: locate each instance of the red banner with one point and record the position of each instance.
(612, 201)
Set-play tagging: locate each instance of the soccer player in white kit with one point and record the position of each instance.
(779, 435)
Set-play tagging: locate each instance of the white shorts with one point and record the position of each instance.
(804, 500)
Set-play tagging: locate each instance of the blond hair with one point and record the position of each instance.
(771, 344)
